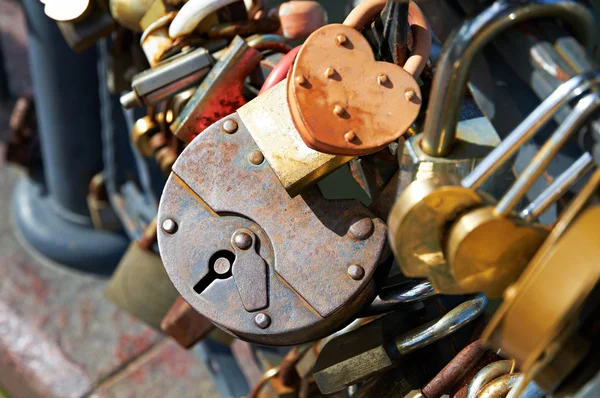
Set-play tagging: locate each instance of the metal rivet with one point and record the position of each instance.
(356, 272)
(362, 228)
(341, 39)
(256, 157)
(230, 126)
(349, 136)
(409, 94)
(382, 79)
(329, 72)
(222, 266)
(242, 240)
(169, 226)
(338, 110)
(262, 320)
(300, 80)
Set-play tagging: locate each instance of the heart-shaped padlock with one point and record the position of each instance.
(343, 102)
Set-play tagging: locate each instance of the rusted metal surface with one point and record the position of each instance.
(185, 325)
(213, 192)
(336, 89)
(443, 382)
(220, 94)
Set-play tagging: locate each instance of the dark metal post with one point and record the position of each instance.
(53, 215)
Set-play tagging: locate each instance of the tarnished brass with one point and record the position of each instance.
(433, 198)
(270, 124)
(342, 101)
(537, 322)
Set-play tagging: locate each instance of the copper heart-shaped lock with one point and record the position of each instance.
(342, 101)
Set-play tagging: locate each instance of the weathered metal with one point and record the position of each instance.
(213, 192)
(220, 93)
(443, 382)
(336, 89)
(185, 325)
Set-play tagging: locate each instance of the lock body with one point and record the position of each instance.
(264, 266)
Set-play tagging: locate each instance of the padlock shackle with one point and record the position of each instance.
(566, 92)
(433, 331)
(364, 12)
(192, 13)
(558, 187)
(580, 115)
(456, 60)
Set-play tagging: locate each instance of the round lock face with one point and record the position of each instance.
(343, 102)
(266, 267)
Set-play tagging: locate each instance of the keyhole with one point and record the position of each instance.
(219, 265)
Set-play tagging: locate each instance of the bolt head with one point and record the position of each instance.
(262, 320)
(409, 94)
(329, 72)
(341, 39)
(338, 110)
(169, 226)
(349, 136)
(222, 266)
(301, 80)
(230, 126)
(382, 79)
(356, 272)
(242, 240)
(256, 157)
(362, 229)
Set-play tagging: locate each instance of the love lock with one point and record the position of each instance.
(342, 101)
(266, 267)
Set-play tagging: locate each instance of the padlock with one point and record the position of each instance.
(142, 132)
(170, 77)
(346, 103)
(155, 40)
(140, 285)
(81, 22)
(298, 19)
(548, 344)
(221, 92)
(233, 253)
(194, 12)
(432, 202)
(509, 242)
(377, 347)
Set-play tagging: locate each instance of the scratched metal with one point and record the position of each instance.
(250, 276)
(220, 93)
(214, 191)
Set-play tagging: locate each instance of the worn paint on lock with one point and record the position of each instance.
(213, 192)
(344, 102)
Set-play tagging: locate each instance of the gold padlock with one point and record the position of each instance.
(538, 322)
(487, 248)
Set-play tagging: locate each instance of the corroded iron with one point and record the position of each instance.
(215, 193)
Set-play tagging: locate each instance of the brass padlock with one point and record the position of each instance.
(539, 321)
(231, 248)
(140, 285)
(432, 203)
(487, 248)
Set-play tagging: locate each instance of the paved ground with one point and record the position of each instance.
(59, 337)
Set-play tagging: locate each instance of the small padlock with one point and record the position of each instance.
(346, 103)
(508, 242)
(230, 247)
(140, 284)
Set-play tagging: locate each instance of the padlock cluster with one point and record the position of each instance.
(329, 182)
